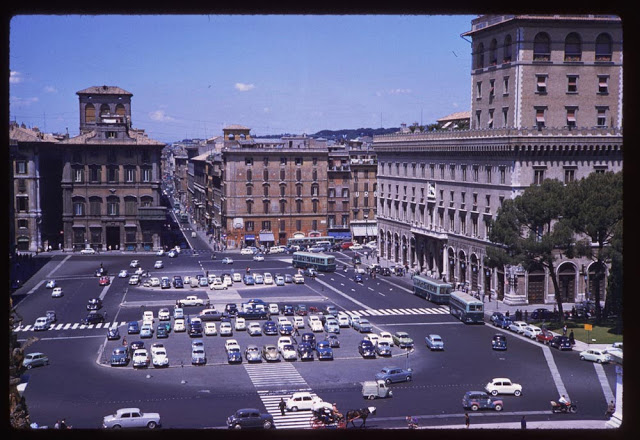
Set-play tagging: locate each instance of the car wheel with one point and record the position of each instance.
(294, 408)
(29, 367)
(517, 393)
(474, 407)
(581, 358)
(599, 361)
(267, 424)
(237, 426)
(408, 378)
(494, 392)
(151, 425)
(371, 397)
(498, 407)
(116, 427)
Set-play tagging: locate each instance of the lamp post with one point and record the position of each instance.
(366, 228)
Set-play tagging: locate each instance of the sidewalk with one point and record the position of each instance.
(531, 424)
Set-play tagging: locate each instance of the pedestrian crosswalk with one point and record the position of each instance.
(268, 375)
(72, 326)
(290, 420)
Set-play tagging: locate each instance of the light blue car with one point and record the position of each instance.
(434, 342)
(331, 326)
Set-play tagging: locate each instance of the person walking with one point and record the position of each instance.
(523, 423)
(572, 339)
(564, 330)
(466, 420)
(282, 406)
(295, 329)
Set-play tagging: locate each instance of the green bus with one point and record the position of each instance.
(431, 289)
(319, 261)
(309, 241)
(466, 308)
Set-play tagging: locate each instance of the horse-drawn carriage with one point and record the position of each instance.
(326, 415)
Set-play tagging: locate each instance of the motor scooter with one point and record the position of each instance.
(557, 407)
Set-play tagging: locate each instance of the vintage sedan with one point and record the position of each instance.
(499, 342)
(234, 355)
(141, 358)
(475, 400)
(131, 418)
(51, 284)
(395, 374)
(57, 292)
(502, 385)
(94, 304)
(254, 329)
(113, 334)
(289, 352)
(331, 326)
(92, 318)
(252, 354)
(270, 328)
(595, 355)
(119, 357)
(35, 360)
(531, 331)
(362, 325)
(434, 342)
(545, 336)
(561, 343)
(324, 350)
(270, 353)
(334, 342)
(250, 418)
(383, 348)
(366, 349)
(402, 340)
(104, 281)
(517, 326)
(305, 351)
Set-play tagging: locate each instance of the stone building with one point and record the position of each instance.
(363, 182)
(111, 176)
(437, 190)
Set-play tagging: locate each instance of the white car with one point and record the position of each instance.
(88, 251)
(276, 250)
(284, 340)
(258, 278)
(354, 320)
(57, 292)
(210, 328)
(315, 324)
(373, 338)
(386, 336)
(289, 353)
(517, 326)
(283, 320)
(140, 358)
(178, 325)
(160, 252)
(134, 264)
(227, 260)
(134, 280)
(164, 314)
(279, 280)
(595, 355)
(268, 278)
(159, 358)
(298, 279)
(226, 329)
(356, 247)
(157, 346)
(502, 385)
(217, 285)
(531, 331)
(302, 401)
(247, 251)
(299, 321)
(155, 282)
(147, 317)
(343, 319)
(254, 329)
(178, 313)
(227, 281)
(240, 324)
(237, 277)
(131, 418)
(231, 343)
(123, 273)
(51, 284)
(258, 257)
(42, 323)
(273, 309)
(158, 264)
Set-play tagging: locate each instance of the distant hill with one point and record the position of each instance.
(346, 133)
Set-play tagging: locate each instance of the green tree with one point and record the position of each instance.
(594, 209)
(531, 230)
(18, 412)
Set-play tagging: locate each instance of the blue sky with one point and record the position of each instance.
(191, 75)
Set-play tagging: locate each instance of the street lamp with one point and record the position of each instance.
(366, 228)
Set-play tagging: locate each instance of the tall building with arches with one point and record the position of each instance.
(546, 102)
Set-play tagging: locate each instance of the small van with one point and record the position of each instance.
(372, 389)
(34, 360)
(147, 317)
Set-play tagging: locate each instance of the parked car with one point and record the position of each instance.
(288, 278)
(226, 329)
(434, 342)
(302, 400)
(131, 418)
(165, 283)
(210, 329)
(159, 358)
(88, 251)
(249, 280)
(133, 328)
(234, 355)
(113, 334)
(366, 349)
(545, 336)
(178, 325)
(305, 351)
(363, 325)
(531, 331)
(561, 343)
(517, 326)
(288, 352)
(270, 328)
(270, 353)
(298, 279)
(140, 358)
(324, 350)
(595, 355)
(254, 329)
(248, 418)
(475, 400)
(198, 356)
(502, 385)
(309, 338)
(119, 357)
(279, 280)
(258, 278)
(331, 326)
(383, 348)
(541, 315)
(252, 353)
(35, 360)
(499, 342)
(395, 374)
(402, 340)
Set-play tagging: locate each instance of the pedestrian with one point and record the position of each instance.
(507, 314)
(282, 405)
(57, 425)
(526, 316)
(611, 408)
(489, 295)
(295, 329)
(483, 296)
(124, 341)
(63, 424)
(564, 330)
(523, 423)
(572, 339)
(466, 419)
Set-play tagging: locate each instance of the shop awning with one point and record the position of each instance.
(340, 235)
(249, 237)
(266, 236)
(365, 231)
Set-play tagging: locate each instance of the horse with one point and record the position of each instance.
(361, 413)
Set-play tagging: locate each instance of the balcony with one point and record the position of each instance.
(436, 232)
(152, 213)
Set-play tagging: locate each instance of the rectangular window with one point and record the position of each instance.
(603, 84)
(541, 83)
(249, 225)
(572, 84)
(266, 225)
(249, 207)
(146, 175)
(283, 190)
(113, 208)
(475, 173)
(130, 207)
(298, 225)
(569, 175)
(23, 224)
(130, 175)
(463, 169)
(488, 172)
(112, 135)
(248, 161)
(505, 116)
(95, 174)
(314, 225)
(490, 121)
(283, 161)
(78, 175)
(21, 167)
(503, 175)
(298, 161)
(479, 90)
(95, 207)
(540, 117)
(265, 161)
(505, 85)
(265, 206)
(112, 174)
(478, 114)
(538, 176)
(571, 116)
(601, 120)
(452, 172)
(492, 88)
(22, 204)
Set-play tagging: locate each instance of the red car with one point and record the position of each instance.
(104, 281)
(346, 244)
(544, 336)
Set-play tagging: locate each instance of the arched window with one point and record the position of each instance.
(493, 53)
(604, 49)
(105, 110)
(480, 56)
(120, 110)
(146, 201)
(572, 47)
(89, 113)
(507, 49)
(542, 47)
(78, 206)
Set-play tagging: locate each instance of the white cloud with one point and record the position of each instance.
(22, 102)
(399, 91)
(266, 110)
(50, 89)
(244, 87)
(15, 77)
(159, 115)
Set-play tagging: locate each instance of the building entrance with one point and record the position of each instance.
(113, 237)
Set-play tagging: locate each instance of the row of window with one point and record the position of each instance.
(455, 172)
(283, 175)
(542, 84)
(112, 206)
(249, 226)
(105, 110)
(571, 112)
(315, 190)
(130, 174)
(283, 161)
(113, 154)
(542, 49)
(282, 206)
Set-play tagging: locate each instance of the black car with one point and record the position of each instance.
(93, 318)
(499, 342)
(475, 400)
(234, 355)
(308, 338)
(135, 345)
(366, 348)
(287, 310)
(94, 304)
(385, 271)
(165, 283)
(250, 418)
(270, 328)
(357, 278)
(177, 282)
(301, 310)
(541, 314)
(231, 309)
(560, 342)
(334, 342)
(133, 328)
(161, 332)
(195, 330)
(323, 348)
(305, 351)
(113, 334)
